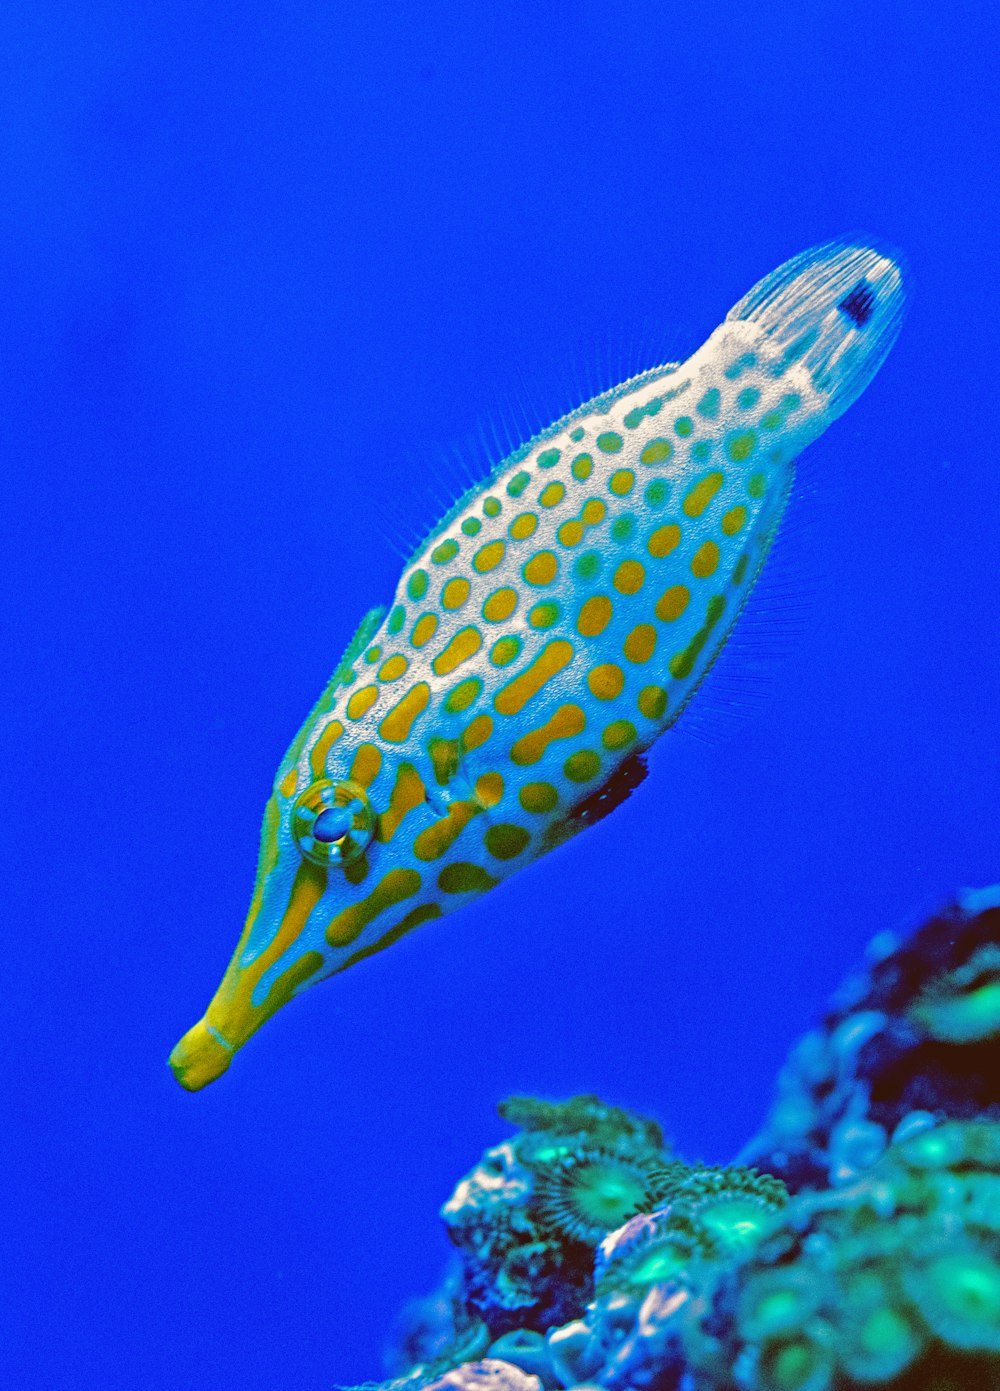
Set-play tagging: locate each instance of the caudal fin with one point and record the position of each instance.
(837, 309)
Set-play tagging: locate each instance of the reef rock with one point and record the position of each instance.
(856, 1244)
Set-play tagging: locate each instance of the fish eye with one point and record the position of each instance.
(333, 822)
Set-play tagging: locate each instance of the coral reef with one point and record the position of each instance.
(913, 1036)
(527, 1218)
(856, 1245)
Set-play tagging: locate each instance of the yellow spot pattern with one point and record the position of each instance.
(629, 577)
(477, 733)
(582, 467)
(664, 540)
(567, 721)
(619, 734)
(408, 792)
(538, 797)
(523, 526)
(700, 494)
(515, 696)
(444, 755)
(455, 593)
(462, 695)
(504, 650)
(734, 520)
(489, 789)
(289, 783)
(657, 452)
(366, 765)
(541, 568)
(741, 446)
(591, 514)
(392, 668)
(543, 615)
(500, 605)
(438, 839)
(705, 560)
(395, 727)
(672, 602)
(395, 887)
(424, 629)
(552, 494)
(583, 765)
(622, 482)
(594, 616)
(323, 745)
(506, 841)
(488, 557)
(653, 702)
(465, 878)
(361, 702)
(465, 644)
(606, 681)
(425, 913)
(641, 643)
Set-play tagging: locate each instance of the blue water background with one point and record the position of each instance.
(259, 262)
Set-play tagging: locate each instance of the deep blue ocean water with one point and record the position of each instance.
(261, 262)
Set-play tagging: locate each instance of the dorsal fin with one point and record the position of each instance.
(486, 468)
(366, 630)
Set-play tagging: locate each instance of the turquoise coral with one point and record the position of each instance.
(913, 1036)
(527, 1218)
(862, 1251)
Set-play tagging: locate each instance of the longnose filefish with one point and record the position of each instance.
(554, 626)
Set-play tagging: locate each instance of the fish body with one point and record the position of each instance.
(557, 622)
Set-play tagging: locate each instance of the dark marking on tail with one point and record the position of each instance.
(859, 305)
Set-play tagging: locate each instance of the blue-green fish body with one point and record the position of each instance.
(555, 625)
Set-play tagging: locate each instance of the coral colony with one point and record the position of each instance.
(855, 1245)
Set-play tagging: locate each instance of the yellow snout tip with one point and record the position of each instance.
(200, 1057)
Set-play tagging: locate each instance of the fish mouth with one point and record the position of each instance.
(200, 1056)
(837, 309)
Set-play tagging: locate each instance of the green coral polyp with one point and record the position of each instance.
(775, 1303)
(804, 1364)
(964, 1005)
(738, 1224)
(730, 1208)
(584, 1201)
(958, 1295)
(662, 1262)
(880, 1343)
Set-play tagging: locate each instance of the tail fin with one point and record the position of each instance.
(836, 308)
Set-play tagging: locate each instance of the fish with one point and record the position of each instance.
(553, 626)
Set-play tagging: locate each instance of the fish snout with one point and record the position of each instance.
(836, 309)
(200, 1057)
